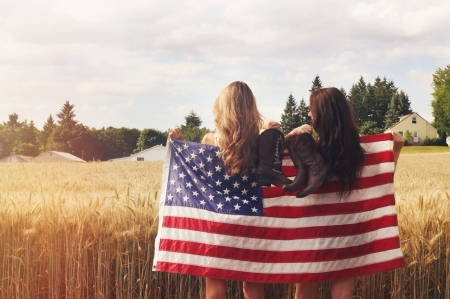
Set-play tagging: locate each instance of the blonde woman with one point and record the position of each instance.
(237, 122)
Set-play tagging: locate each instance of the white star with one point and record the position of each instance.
(236, 197)
(227, 198)
(253, 170)
(218, 168)
(219, 206)
(182, 175)
(175, 167)
(254, 210)
(178, 190)
(211, 197)
(245, 201)
(209, 185)
(189, 184)
(185, 198)
(244, 192)
(236, 185)
(195, 168)
(209, 173)
(218, 192)
(179, 149)
(195, 193)
(201, 165)
(217, 153)
(209, 159)
(226, 191)
(193, 155)
(169, 197)
(226, 176)
(202, 177)
(201, 150)
(254, 197)
(254, 184)
(195, 181)
(203, 189)
(237, 207)
(218, 183)
(185, 146)
(244, 177)
(172, 181)
(187, 159)
(202, 202)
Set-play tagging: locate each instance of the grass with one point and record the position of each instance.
(407, 150)
(87, 230)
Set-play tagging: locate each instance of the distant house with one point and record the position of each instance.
(155, 153)
(54, 156)
(417, 125)
(16, 158)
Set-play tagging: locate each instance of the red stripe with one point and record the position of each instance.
(267, 256)
(330, 209)
(277, 233)
(376, 138)
(280, 278)
(331, 187)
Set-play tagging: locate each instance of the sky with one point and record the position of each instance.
(148, 64)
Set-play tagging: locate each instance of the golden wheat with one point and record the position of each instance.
(72, 230)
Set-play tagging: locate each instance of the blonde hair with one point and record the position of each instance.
(237, 121)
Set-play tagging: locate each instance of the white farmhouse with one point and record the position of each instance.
(155, 153)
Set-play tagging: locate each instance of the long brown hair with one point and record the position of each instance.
(237, 121)
(338, 136)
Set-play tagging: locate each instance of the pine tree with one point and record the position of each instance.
(46, 138)
(317, 84)
(303, 112)
(393, 112)
(404, 104)
(67, 133)
(193, 120)
(290, 118)
(358, 98)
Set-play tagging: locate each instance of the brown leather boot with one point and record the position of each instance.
(318, 170)
(270, 149)
(301, 177)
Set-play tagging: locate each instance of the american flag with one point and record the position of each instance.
(216, 225)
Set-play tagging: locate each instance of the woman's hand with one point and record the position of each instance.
(299, 130)
(175, 133)
(398, 145)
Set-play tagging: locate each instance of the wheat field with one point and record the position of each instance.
(86, 230)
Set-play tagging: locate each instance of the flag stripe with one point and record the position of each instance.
(249, 242)
(295, 276)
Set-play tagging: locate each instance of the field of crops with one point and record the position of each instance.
(87, 230)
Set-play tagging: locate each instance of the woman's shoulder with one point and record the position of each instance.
(209, 138)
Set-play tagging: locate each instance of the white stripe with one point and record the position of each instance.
(329, 198)
(278, 245)
(278, 268)
(275, 222)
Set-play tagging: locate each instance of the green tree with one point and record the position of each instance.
(46, 135)
(290, 118)
(316, 84)
(441, 102)
(369, 127)
(66, 132)
(404, 103)
(149, 138)
(394, 111)
(117, 142)
(191, 129)
(383, 90)
(27, 142)
(303, 111)
(358, 97)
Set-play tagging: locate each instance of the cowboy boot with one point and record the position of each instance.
(270, 149)
(301, 177)
(318, 169)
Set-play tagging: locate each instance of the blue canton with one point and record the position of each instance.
(197, 178)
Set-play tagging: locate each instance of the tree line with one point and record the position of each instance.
(66, 134)
(376, 106)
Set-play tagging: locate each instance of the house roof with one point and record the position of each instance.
(403, 117)
(26, 158)
(137, 154)
(64, 155)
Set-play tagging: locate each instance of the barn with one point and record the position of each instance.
(155, 153)
(54, 156)
(15, 158)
